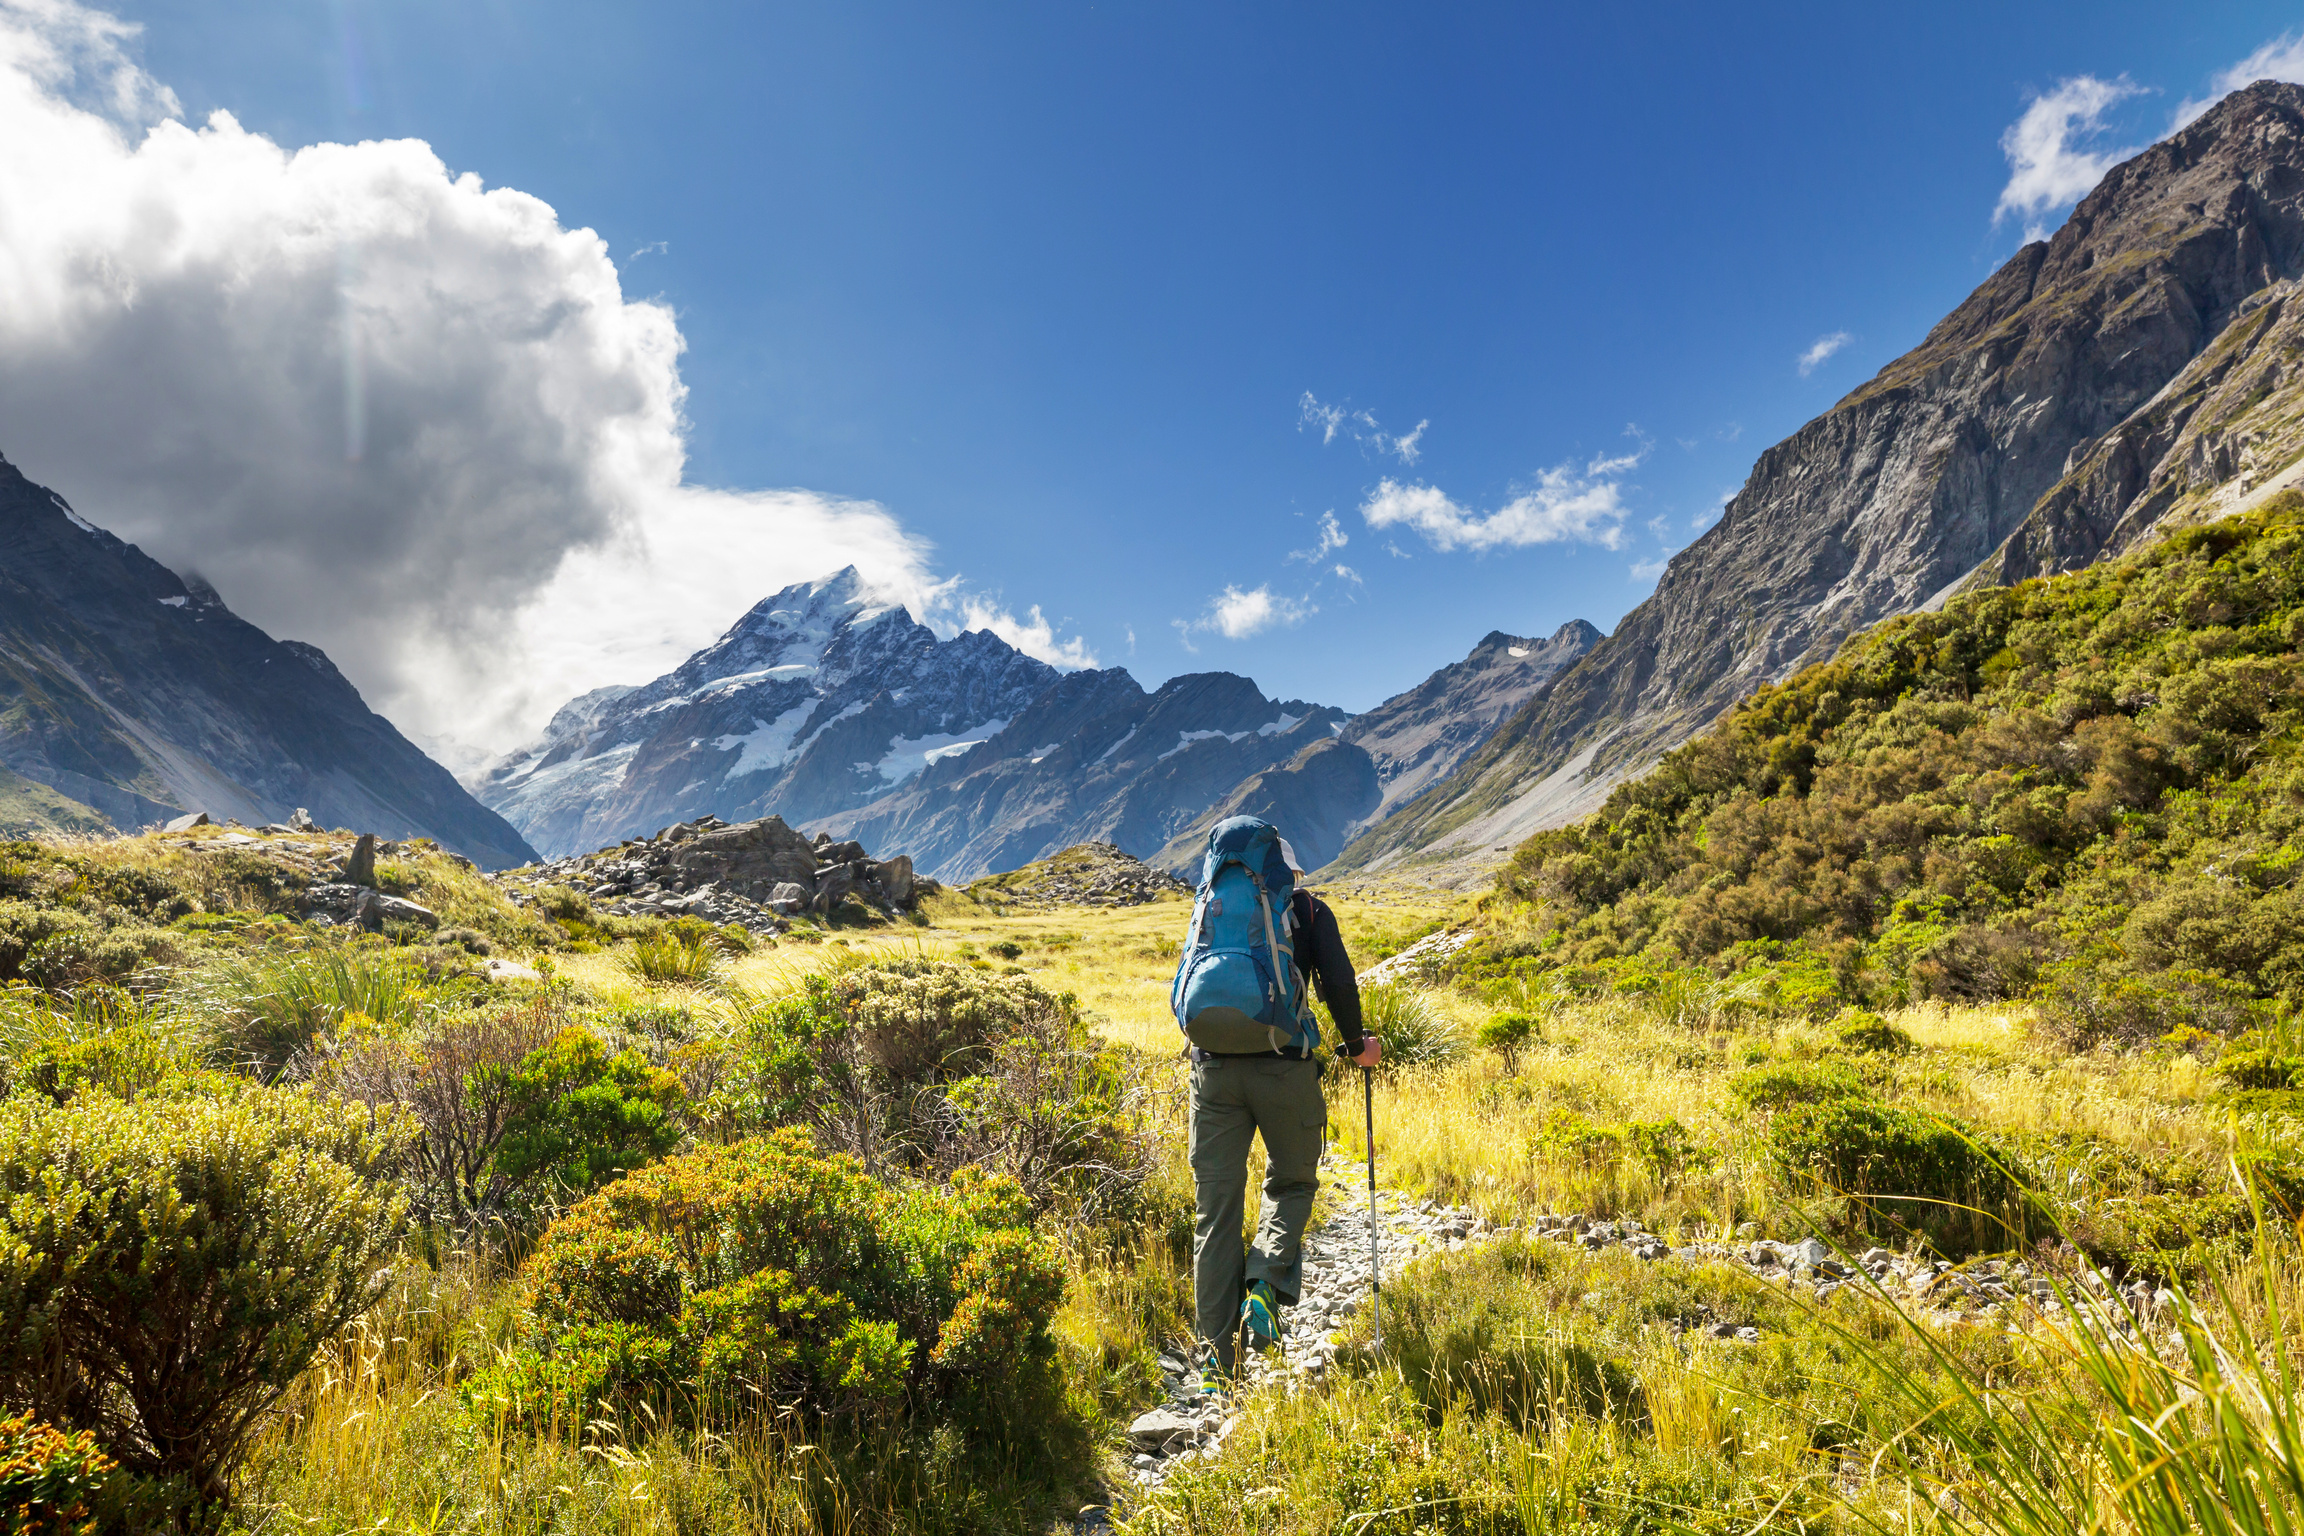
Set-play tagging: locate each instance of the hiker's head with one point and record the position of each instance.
(1288, 855)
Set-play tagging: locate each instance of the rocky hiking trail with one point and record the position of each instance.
(1188, 1426)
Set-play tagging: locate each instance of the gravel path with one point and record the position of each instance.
(1336, 1289)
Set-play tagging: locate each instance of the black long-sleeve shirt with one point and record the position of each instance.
(1320, 950)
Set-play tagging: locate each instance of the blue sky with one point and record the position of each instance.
(1075, 292)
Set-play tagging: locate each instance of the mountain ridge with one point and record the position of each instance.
(1915, 481)
(137, 694)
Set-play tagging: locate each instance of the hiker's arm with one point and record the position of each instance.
(1339, 987)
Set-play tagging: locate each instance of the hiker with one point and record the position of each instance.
(1242, 1000)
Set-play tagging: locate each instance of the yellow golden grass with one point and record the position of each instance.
(375, 1439)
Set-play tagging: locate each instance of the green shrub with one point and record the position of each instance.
(169, 1265)
(581, 1116)
(76, 956)
(769, 1272)
(125, 1062)
(1415, 1032)
(1903, 1172)
(1859, 1030)
(925, 1067)
(669, 956)
(1664, 1147)
(2090, 1002)
(1507, 1034)
(1778, 1085)
(458, 1083)
(2261, 1067)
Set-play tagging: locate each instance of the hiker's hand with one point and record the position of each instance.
(1371, 1052)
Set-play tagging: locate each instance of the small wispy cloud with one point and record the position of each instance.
(1360, 426)
(1332, 538)
(1346, 573)
(1033, 634)
(1566, 504)
(1237, 613)
(1822, 348)
(652, 248)
(2050, 166)
(1646, 571)
(2280, 59)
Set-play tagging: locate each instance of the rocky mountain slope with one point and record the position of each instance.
(1416, 738)
(1095, 759)
(815, 702)
(129, 696)
(2050, 419)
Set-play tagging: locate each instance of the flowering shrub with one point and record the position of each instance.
(58, 1484)
(770, 1273)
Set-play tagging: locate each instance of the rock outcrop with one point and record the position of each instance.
(137, 697)
(1087, 875)
(758, 874)
(2068, 360)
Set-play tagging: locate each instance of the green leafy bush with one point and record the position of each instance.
(1860, 1030)
(770, 1272)
(1779, 1085)
(580, 1116)
(1507, 1034)
(2262, 1067)
(169, 1265)
(926, 1067)
(1903, 1172)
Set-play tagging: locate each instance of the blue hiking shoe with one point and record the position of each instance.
(1260, 1316)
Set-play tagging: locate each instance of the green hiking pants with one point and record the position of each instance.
(1232, 1099)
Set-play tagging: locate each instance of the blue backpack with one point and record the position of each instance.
(1238, 988)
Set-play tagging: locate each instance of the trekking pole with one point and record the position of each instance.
(1375, 1270)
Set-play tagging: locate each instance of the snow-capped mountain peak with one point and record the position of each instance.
(820, 697)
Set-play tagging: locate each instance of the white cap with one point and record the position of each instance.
(1288, 857)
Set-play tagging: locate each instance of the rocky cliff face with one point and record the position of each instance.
(817, 701)
(1094, 759)
(131, 694)
(2068, 362)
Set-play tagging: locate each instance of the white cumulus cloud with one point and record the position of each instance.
(1236, 613)
(1033, 635)
(2050, 165)
(2280, 59)
(1823, 347)
(380, 405)
(1564, 505)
